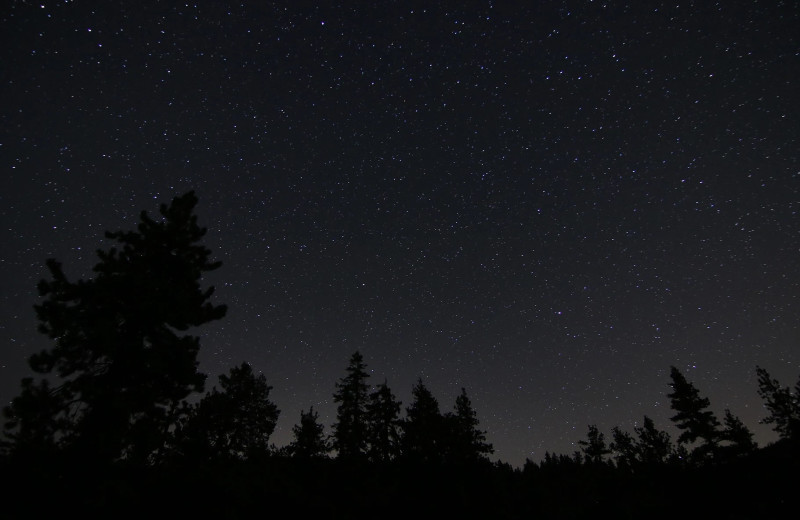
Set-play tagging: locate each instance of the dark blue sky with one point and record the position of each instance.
(548, 205)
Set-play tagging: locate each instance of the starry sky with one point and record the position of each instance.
(548, 203)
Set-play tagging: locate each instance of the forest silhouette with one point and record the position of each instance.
(105, 425)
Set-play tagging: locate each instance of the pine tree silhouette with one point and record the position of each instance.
(654, 446)
(783, 405)
(737, 435)
(468, 442)
(383, 411)
(692, 418)
(651, 447)
(350, 429)
(309, 437)
(234, 422)
(121, 364)
(625, 448)
(423, 428)
(594, 447)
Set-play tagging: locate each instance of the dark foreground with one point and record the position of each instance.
(762, 485)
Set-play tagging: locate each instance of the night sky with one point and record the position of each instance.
(548, 203)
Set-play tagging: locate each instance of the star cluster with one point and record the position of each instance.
(548, 204)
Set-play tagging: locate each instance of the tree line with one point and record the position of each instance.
(115, 386)
(236, 423)
(122, 367)
(702, 440)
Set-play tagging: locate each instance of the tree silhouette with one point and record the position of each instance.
(468, 442)
(650, 447)
(236, 422)
(739, 436)
(423, 435)
(35, 419)
(594, 447)
(625, 448)
(692, 418)
(121, 365)
(783, 405)
(383, 411)
(654, 446)
(350, 429)
(309, 438)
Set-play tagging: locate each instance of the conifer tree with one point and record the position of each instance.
(692, 417)
(350, 430)
(739, 436)
(650, 447)
(423, 427)
(594, 447)
(783, 405)
(235, 422)
(383, 411)
(625, 448)
(120, 361)
(469, 442)
(309, 438)
(654, 446)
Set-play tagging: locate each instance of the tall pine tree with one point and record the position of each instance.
(469, 442)
(594, 448)
(383, 411)
(692, 417)
(350, 430)
(424, 435)
(121, 362)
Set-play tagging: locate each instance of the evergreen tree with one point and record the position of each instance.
(423, 427)
(468, 442)
(739, 436)
(236, 422)
(350, 429)
(577, 458)
(650, 447)
(783, 405)
(36, 420)
(383, 411)
(309, 439)
(692, 418)
(654, 446)
(122, 365)
(625, 447)
(594, 447)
